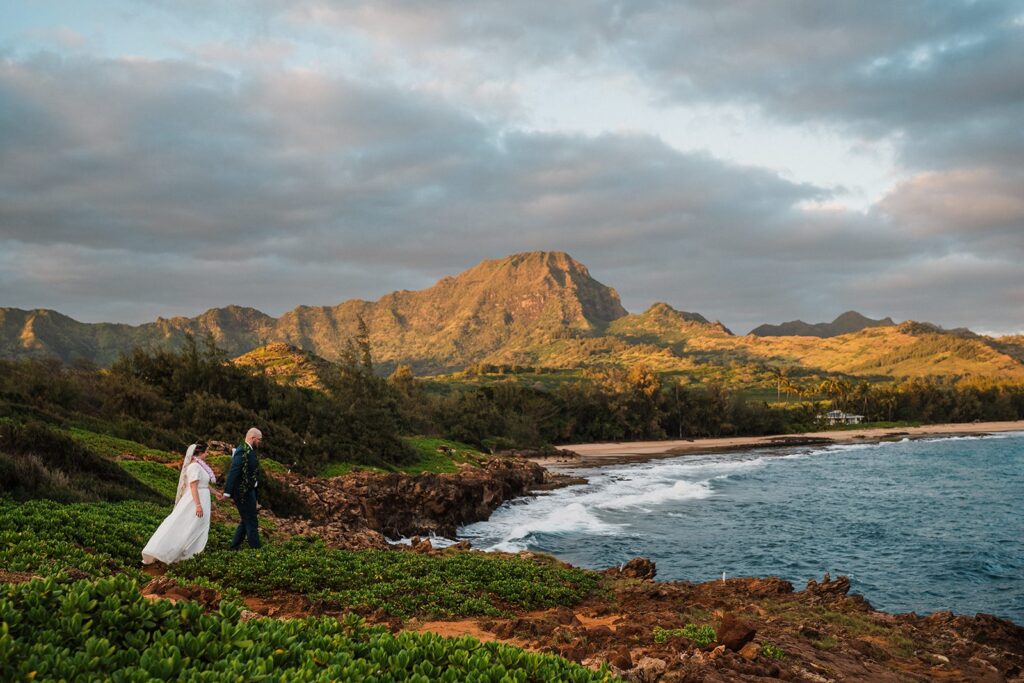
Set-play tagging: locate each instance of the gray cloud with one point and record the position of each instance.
(301, 176)
(131, 188)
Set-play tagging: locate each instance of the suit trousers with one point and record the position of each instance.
(248, 528)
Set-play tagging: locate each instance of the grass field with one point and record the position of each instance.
(431, 459)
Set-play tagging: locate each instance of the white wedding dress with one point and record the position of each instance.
(182, 534)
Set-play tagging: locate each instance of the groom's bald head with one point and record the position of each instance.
(253, 436)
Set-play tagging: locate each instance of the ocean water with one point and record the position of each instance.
(922, 525)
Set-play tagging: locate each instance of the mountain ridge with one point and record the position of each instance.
(845, 323)
(522, 299)
(540, 309)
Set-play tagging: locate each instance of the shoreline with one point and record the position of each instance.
(601, 454)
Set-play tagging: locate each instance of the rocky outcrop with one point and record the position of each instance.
(765, 630)
(361, 508)
(734, 633)
(637, 568)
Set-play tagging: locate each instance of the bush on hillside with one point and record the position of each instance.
(37, 462)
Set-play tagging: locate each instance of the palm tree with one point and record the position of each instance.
(862, 392)
(830, 387)
(790, 388)
(781, 376)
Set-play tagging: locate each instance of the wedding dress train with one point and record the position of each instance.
(182, 534)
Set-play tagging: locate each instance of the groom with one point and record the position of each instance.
(243, 478)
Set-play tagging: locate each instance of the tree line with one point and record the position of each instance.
(167, 398)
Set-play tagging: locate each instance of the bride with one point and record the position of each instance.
(184, 532)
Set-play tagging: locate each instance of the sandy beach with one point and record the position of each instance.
(593, 454)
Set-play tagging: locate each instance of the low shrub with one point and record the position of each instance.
(96, 539)
(39, 462)
(701, 636)
(395, 583)
(155, 475)
(106, 631)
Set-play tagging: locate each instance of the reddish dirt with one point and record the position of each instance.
(457, 629)
(823, 635)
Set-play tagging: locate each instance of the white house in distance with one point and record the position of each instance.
(838, 417)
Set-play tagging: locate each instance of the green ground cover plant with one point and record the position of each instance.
(112, 446)
(155, 475)
(98, 539)
(701, 636)
(106, 631)
(432, 460)
(772, 651)
(395, 583)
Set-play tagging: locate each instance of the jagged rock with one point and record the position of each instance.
(869, 650)
(637, 568)
(159, 586)
(829, 589)
(621, 659)
(809, 632)
(647, 670)
(573, 652)
(437, 503)
(355, 511)
(933, 658)
(750, 651)
(734, 633)
(566, 617)
(548, 453)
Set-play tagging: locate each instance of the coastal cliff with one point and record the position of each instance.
(360, 509)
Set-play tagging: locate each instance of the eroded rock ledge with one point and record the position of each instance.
(358, 510)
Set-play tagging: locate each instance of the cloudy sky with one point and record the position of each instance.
(752, 161)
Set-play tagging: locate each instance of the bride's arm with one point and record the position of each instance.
(194, 485)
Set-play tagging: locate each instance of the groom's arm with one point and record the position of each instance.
(236, 471)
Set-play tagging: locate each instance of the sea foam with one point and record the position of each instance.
(680, 490)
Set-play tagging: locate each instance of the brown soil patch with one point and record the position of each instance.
(15, 577)
(453, 629)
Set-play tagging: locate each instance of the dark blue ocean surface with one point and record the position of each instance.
(919, 526)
